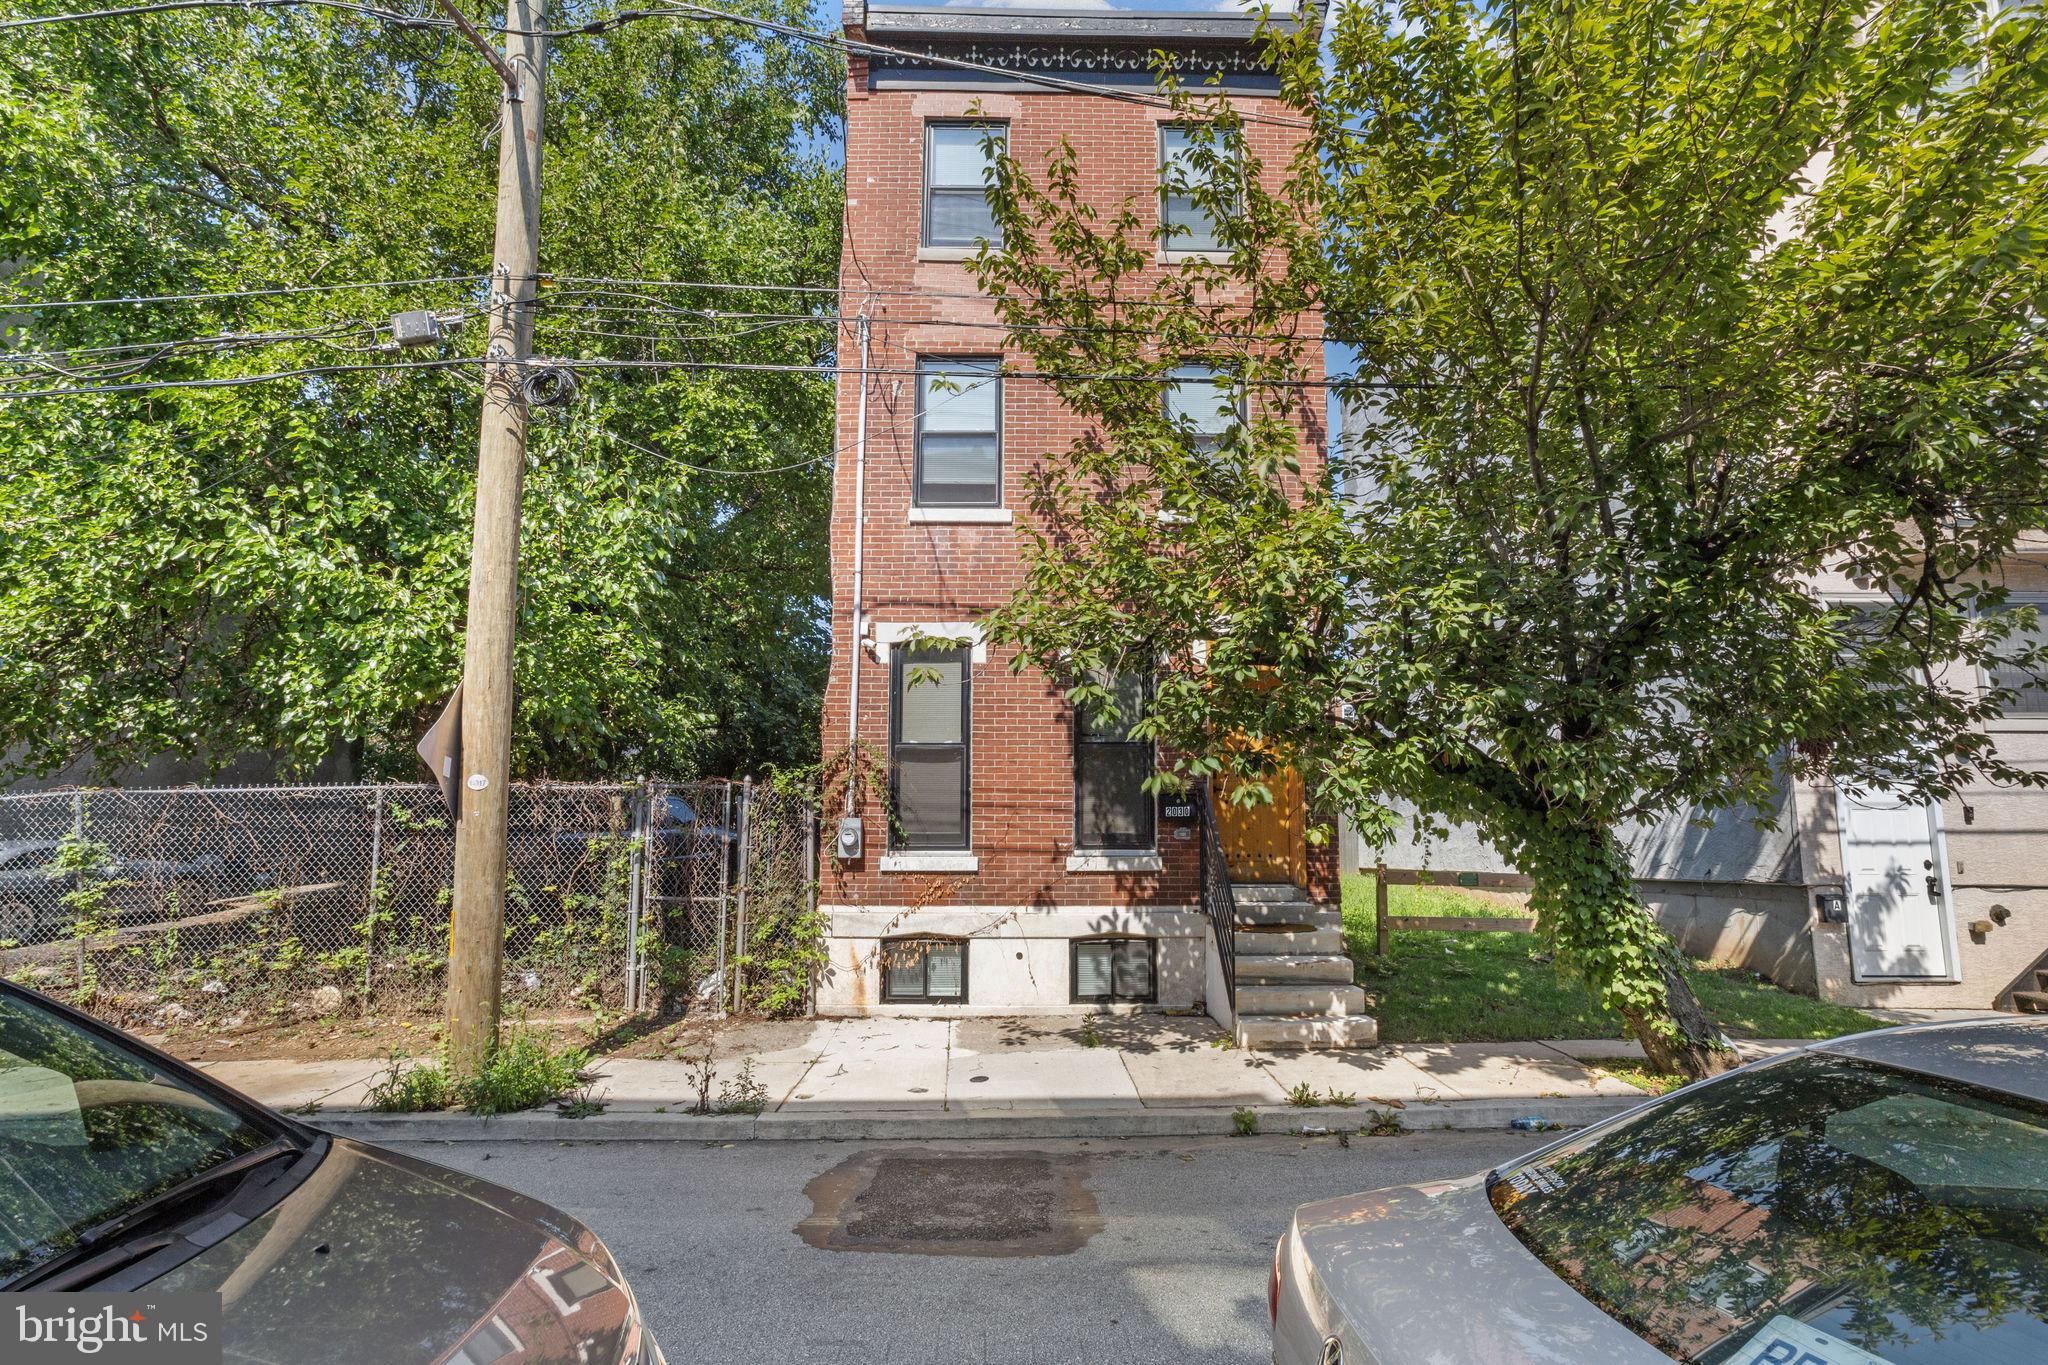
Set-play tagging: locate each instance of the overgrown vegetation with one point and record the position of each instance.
(523, 1072)
(281, 567)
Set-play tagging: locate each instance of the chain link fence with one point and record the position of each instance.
(194, 904)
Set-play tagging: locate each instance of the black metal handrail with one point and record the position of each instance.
(1219, 901)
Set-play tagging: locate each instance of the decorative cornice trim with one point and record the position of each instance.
(1192, 60)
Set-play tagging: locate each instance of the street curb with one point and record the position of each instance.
(866, 1125)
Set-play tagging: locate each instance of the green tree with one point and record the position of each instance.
(283, 565)
(1668, 320)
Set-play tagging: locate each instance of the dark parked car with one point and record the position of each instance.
(32, 907)
(1878, 1199)
(121, 1168)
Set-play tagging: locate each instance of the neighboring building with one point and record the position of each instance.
(1025, 869)
(1866, 900)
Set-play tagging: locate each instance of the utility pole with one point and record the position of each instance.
(476, 933)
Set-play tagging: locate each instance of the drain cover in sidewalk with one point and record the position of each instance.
(1016, 1204)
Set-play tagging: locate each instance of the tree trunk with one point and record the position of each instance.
(1586, 904)
(1696, 1048)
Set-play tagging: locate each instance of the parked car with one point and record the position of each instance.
(32, 907)
(121, 1169)
(1878, 1198)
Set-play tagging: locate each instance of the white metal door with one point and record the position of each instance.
(1899, 922)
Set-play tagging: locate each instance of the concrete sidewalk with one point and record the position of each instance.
(1135, 1075)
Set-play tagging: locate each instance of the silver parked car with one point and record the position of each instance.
(1879, 1198)
(121, 1168)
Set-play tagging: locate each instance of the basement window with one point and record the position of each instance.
(924, 971)
(1121, 970)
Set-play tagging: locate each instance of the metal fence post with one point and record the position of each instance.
(724, 893)
(636, 989)
(810, 898)
(739, 954)
(374, 903)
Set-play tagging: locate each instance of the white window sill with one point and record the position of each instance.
(930, 862)
(955, 254)
(1113, 860)
(963, 516)
(1179, 257)
(2020, 724)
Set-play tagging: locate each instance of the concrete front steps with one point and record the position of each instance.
(2034, 1001)
(1294, 977)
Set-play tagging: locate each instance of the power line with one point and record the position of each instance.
(693, 366)
(667, 458)
(701, 13)
(31, 305)
(389, 16)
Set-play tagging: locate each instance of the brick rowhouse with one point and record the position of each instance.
(1017, 892)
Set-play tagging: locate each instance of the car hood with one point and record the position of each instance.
(377, 1257)
(1430, 1273)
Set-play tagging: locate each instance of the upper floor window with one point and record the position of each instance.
(1112, 809)
(957, 157)
(959, 433)
(2032, 687)
(1190, 224)
(1206, 403)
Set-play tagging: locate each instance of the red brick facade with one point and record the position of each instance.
(922, 569)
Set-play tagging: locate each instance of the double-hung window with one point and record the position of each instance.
(1112, 809)
(924, 971)
(957, 157)
(928, 736)
(2031, 686)
(1203, 401)
(959, 432)
(1115, 969)
(1190, 224)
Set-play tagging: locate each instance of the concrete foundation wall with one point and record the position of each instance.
(1018, 958)
(1217, 993)
(1991, 963)
(1762, 928)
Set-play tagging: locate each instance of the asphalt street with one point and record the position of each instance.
(1052, 1253)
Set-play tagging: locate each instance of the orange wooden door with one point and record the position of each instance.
(1268, 841)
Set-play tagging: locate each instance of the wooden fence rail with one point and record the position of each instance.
(1386, 924)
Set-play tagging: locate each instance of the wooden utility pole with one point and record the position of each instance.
(476, 933)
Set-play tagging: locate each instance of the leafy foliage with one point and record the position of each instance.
(1676, 332)
(523, 1072)
(283, 566)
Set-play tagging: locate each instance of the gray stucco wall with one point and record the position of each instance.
(1727, 889)
(1690, 845)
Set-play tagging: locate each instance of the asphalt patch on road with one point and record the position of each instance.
(997, 1204)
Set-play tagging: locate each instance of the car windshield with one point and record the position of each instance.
(1817, 1209)
(89, 1130)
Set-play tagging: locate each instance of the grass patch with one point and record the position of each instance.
(524, 1072)
(1656, 1082)
(1462, 988)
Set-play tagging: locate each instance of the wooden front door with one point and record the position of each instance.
(1266, 842)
